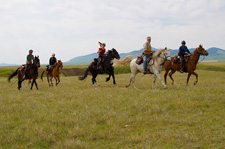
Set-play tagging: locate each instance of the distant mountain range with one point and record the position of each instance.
(214, 54)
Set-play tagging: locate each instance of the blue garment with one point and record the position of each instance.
(145, 61)
(182, 50)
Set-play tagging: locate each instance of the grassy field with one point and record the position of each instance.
(77, 115)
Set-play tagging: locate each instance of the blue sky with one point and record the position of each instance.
(71, 28)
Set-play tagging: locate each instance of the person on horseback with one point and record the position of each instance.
(52, 62)
(183, 50)
(101, 52)
(147, 53)
(30, 60)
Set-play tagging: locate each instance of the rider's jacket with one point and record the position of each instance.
(147, 49)
(30, 59)
(102, 51)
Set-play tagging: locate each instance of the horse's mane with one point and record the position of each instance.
(159, 51)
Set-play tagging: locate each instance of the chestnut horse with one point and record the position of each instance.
(190, 66)
(54, 73)
(31, 73)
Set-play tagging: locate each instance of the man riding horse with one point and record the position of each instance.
(183, 50)
(30, 60)
(147, 53)
(52, 62)
(101, 53)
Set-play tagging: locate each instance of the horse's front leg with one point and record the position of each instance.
(114, 80)
(188, 77)
(32, 84)
(160, 78)
(19, 84)
(36, 84)
(154, 79)
(58, 80)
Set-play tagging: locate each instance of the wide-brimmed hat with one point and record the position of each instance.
(102, 44)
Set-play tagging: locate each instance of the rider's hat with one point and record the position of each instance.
(183, 42)
(53, 54)
(30, 50)
(102, 44)
(148, 37)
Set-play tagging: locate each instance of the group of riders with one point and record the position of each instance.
(30, 61)
(147, 54)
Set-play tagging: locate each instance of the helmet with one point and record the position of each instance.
(30, 50)
(183, 42)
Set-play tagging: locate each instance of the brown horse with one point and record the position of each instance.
(190, 66)
(54, 73)
(31, 73)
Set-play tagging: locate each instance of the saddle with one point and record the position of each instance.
(177, 59)
(139, 60)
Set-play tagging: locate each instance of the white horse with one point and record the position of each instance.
(154, 66)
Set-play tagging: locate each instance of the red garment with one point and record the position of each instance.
(102, 51)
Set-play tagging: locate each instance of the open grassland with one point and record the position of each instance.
(78, 115)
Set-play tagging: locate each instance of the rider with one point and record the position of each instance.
(52, 62)
(183, 50)
(30, 60)
(101, 52)
(147, 52)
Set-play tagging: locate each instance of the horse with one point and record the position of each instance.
(154, 66)
(190, 65)
(107, 67)
(54, 73)
(32, 73)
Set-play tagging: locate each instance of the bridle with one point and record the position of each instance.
(164, 56)
(201, 53)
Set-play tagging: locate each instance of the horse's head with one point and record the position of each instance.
(163, 53)
(60, 64)
(115, 54)
(37, 61)
(167, 54)
(201, 50)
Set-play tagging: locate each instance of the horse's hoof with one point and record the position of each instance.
(115, 84)
(165, 87)
(195, 83)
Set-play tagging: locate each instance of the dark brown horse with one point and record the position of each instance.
(190, 66)
(107, 67)
(31, 73)
(54, 73)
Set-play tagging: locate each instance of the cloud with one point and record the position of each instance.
(73, 28)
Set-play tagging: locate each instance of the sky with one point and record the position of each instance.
(71, 28)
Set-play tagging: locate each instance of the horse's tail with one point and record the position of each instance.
(85, 75)
(42, 75)
(125, 62)
(12, 75)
